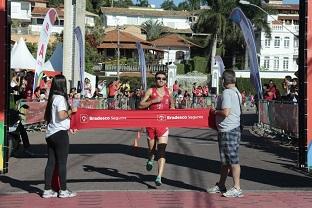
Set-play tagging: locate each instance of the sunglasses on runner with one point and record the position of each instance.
(161, 78)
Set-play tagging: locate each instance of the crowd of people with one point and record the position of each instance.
(290, 90)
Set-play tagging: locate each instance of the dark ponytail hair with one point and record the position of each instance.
(58, 87)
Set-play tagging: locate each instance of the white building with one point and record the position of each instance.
(137, 16)
(280, 51)
(21, 10)
(31, 13)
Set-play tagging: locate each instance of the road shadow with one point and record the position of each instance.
(256, 174)
(21, 184)
(116, 174)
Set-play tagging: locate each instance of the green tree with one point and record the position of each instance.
(184, 6)
(123, 3)
(142, 3)
(216, 22)
(55, 3)
(92, 57)
(168, 5)
(153, 29)
(94, 37)
(89, 6)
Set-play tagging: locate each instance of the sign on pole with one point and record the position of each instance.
(45, 33)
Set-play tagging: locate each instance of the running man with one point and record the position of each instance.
(157, 98)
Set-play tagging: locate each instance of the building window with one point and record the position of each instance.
(286, 42)
(25, 6)
(267, 42)
(276, 63)
(277, 42)
(179, 55)
(285, 63)
(266, 63)
(296, 42)
(39, 21)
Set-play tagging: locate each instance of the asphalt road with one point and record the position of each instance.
(103, 159)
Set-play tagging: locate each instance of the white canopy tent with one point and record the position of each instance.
(55, 63)
(21, 58)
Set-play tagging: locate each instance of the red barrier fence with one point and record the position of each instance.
(92, 118)
(279, 115)
(35, 113)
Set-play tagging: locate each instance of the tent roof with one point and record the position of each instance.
(21, 58)
(55, 63)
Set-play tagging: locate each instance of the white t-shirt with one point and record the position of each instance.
(55, 125)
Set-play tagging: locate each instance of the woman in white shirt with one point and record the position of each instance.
(57, 115)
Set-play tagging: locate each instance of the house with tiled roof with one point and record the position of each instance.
(176, 48)
(31, 14)
(126, 43)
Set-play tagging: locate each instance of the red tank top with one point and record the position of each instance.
(164, 104)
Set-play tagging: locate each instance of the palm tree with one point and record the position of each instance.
(153, 29)
(216, 22)
(168, 5)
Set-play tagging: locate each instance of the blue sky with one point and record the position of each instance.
(159, 2)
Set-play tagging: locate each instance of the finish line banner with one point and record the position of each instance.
(93, 118)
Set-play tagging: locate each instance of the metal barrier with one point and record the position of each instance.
(280, 115)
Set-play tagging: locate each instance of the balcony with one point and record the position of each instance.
(282, 28)
(132, 68)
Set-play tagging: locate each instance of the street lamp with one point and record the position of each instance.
(254, 5)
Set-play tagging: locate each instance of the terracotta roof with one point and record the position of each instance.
(283, 17)
(135, 74)
(39, 1)
(126, 41)
(41, 11)
(276, 22)
(285, 6)
(127, 46)
(124, 37)
(173, 40)
(146, 12)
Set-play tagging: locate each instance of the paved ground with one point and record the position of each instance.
(107, 172)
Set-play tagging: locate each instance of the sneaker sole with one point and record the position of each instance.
(149, 167)
(239, 196)
(158, 184)
(48, 197)
(66, 196)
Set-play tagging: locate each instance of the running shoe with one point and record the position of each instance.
(216, 189)
(66, 194)
(49, 194)
(149, 165)
(233, 192)
(158, 181)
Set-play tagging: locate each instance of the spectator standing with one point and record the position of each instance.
(57, 115)
(87, 88)
(175, 88)
(103, 88)
(229, 134)
(270, 93)
(243, 94)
